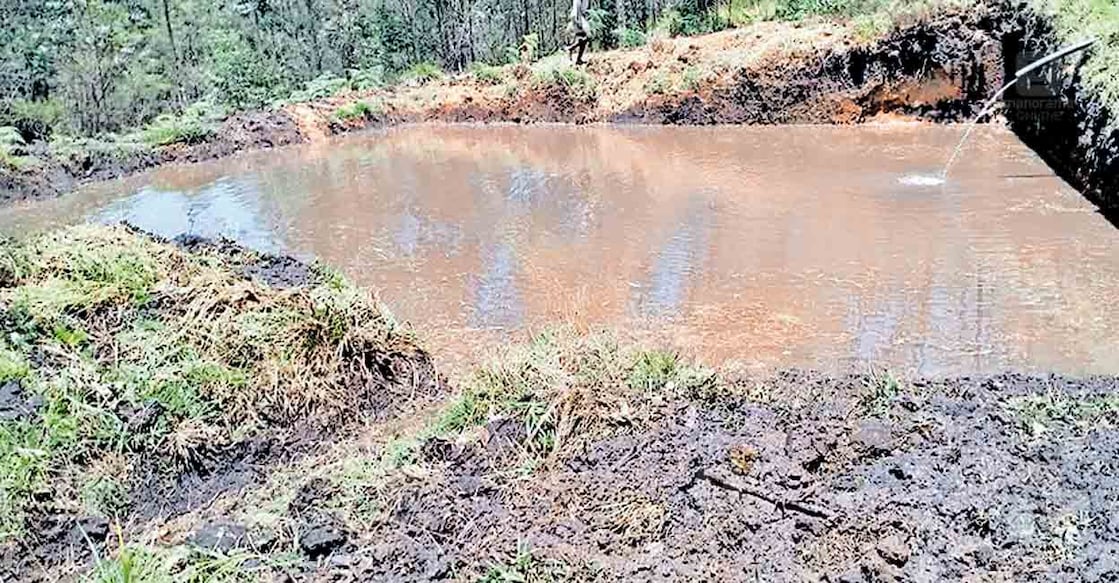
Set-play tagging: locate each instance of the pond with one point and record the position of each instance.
(831, 248)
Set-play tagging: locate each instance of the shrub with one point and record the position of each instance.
(577, 83)
(486, 74)
(326, 85)
(658, 84)
(11, 147)
(197, 123)
(36, 119)
(368, 78)
(630, 38)
(423, 72)
(356, 110)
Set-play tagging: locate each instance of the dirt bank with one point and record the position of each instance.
(937, 69)
(54, 176)
(1061, 121)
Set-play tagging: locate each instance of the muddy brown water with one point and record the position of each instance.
(772, 247)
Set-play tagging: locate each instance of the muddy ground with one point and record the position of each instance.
(942, 485)
(940, 69)
(380, 383)
(809, 480)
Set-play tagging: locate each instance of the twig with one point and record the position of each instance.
(722, 478)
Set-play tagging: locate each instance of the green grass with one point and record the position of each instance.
(487, 74)
(326, 85)
(1081, 19)
(11, 150)
(147, 564)
(880, 391)
(556, 72)
(527, 568)
(123, 328)
(356, 110)
(422, 73)
(1038, 414)
(195, 124)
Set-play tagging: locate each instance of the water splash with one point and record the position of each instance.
(921, 180)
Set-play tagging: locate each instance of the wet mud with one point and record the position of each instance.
(940, 483)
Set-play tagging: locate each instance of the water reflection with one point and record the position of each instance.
(228, 207)
(792, 246)
(496, 301)
(679, 260)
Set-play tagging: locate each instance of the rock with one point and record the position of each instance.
(321, 541)
(873, 436)
(15, 404)
(894, 550)
(217, 536)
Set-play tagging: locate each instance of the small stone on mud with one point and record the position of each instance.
(218, 536)
(894, 550)
(873, 436)
(15, 404)
(321, 541)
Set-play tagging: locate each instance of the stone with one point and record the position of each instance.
(894, 550)
(217, 536)
(321, 541)
(873, 435)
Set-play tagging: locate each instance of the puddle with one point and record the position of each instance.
(822, 247)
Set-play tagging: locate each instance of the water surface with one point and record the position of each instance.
(823, 247)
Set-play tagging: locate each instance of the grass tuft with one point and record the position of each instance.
(356, 110)
(133, 347)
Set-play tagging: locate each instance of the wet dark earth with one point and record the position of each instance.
(823, 479)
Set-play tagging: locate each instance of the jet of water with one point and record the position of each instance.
(990, 104)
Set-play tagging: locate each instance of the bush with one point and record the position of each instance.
(658, 84)
(486, 74)
(326, 85)
(630, 38)
(366, 79)
(74, 150)
(197, 123)
(356, 110)
(36, 119)
(12, 153)
(423, 72)
(577, 83)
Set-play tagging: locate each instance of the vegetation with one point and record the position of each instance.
(99, 69)
(1037, 414)
(123, 347)
(356, 110)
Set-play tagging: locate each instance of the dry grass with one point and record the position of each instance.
(134, 347)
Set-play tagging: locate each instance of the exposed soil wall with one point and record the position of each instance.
(1076, 135)
(939, 70)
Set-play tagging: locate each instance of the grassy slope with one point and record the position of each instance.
(123, 351)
